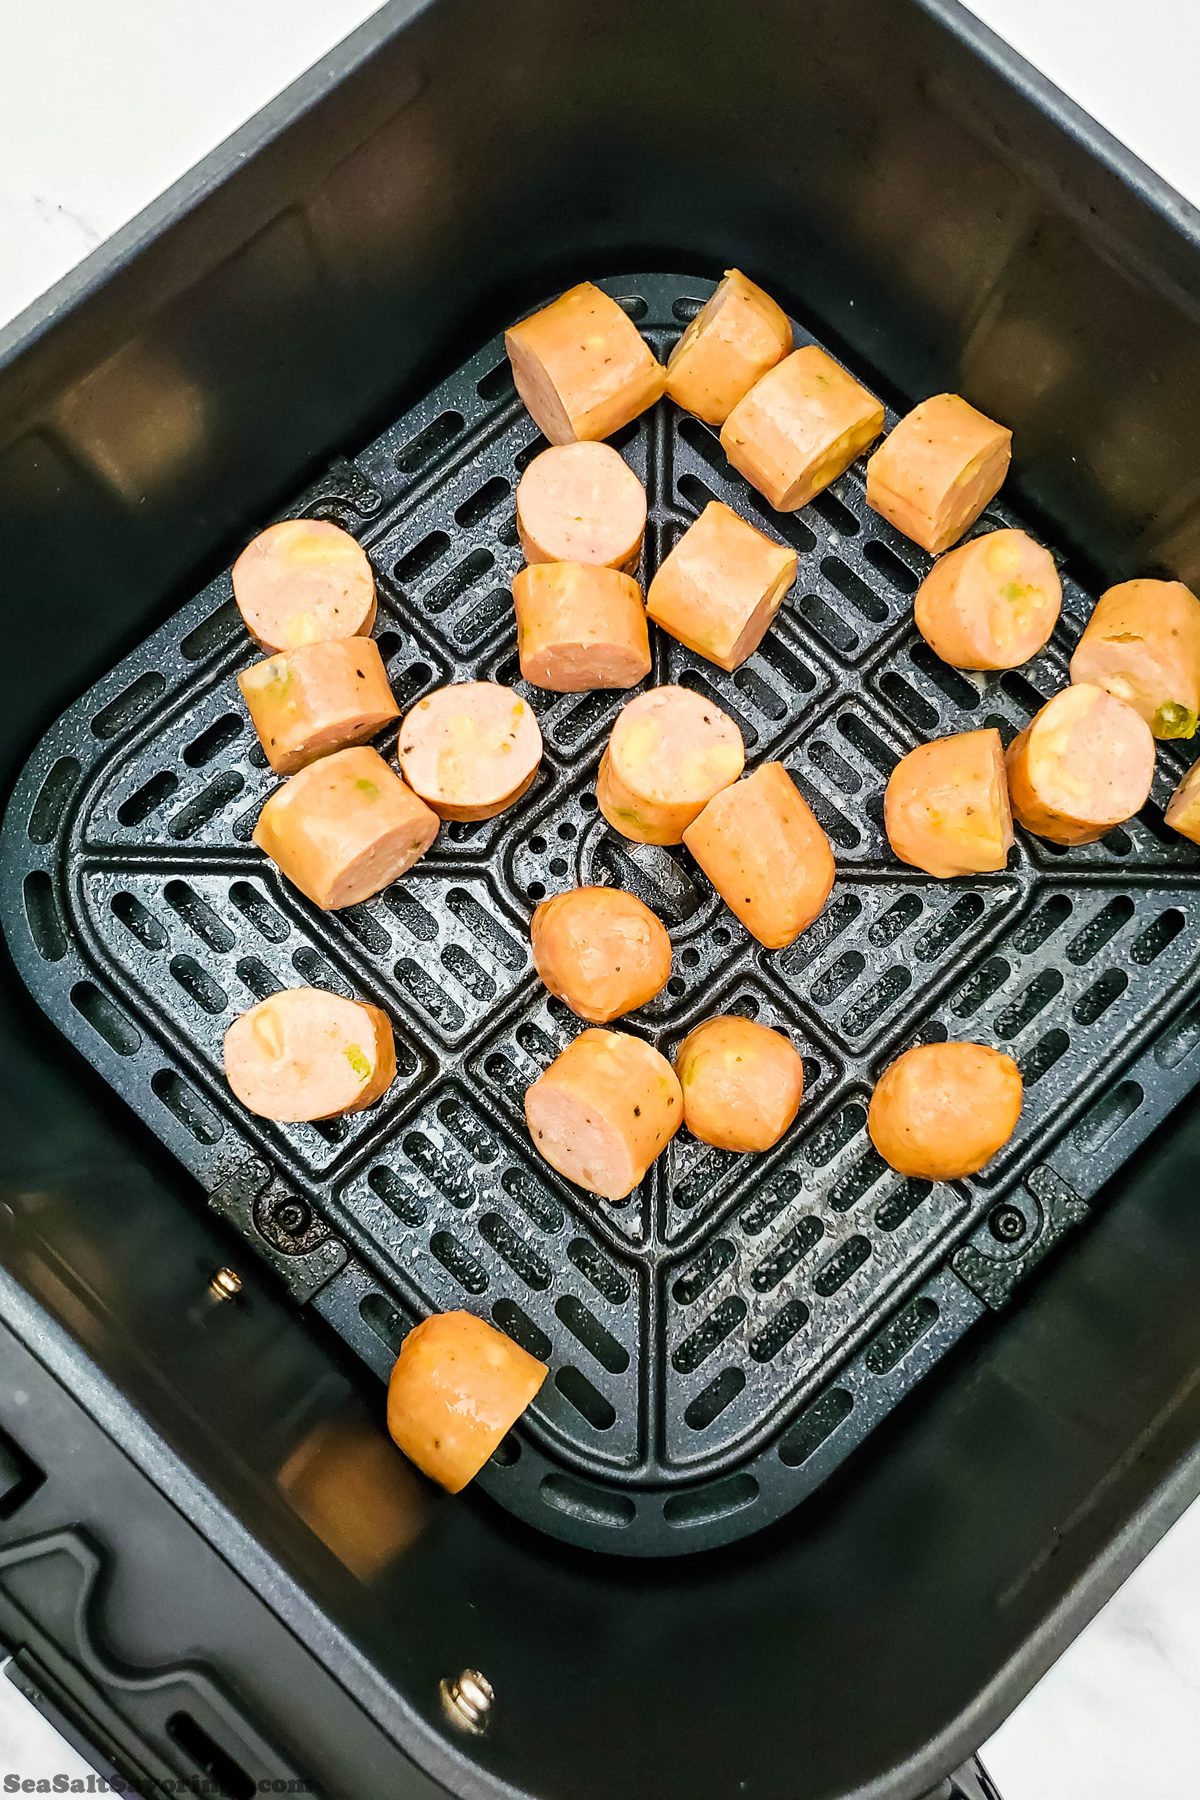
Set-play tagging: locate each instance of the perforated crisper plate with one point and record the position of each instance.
(719, 1341)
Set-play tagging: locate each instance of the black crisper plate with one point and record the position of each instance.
(721, 1340)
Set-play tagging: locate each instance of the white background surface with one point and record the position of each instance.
(103, 103)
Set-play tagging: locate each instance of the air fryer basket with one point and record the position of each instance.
(942, 219)
(719, 1341)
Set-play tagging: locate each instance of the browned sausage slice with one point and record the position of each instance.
(742, 1083)
(765, 854)
(670, 751)
(738, 334)
(469, 750)
(721, 586)
(344, 828)
(1142, 645)
(990, 604)
(308, 1054)
(1183, 809)
(946, 806)
(800, 427)
(941, 1111)
(582, 367)
(457, 1387)
(1082, 765)
(322, 697)
(302, 581)
(580, 627)
(935, 473)
(601, 950)
(581, 503)
(603, 1110)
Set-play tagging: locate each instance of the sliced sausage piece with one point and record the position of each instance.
(1183, 808)
(765, 854)
(741, 1082)
(305, 703)
(1142, 645)
(308, 1054)
(721, 586)
(990, 604)
(580, 627)
(601, 950)
(800, 427)
(345, 827)
(582, 367)
(941, 1111)
(670, 751)
(738, 334)
(469, 750)
(1083, 764)
(457, 1387)
(946, 807)
(302, 581)
(603, 1110)
(581, 503)
(934, 474)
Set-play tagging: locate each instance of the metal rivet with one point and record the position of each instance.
(226, 1284)
(468, 1699)
(1007, 1224)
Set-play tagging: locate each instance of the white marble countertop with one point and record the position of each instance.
(101, 108)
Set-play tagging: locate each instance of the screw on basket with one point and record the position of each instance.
(293, 1217)
(1006, 1223)
(468, 1699)
(226, 1284)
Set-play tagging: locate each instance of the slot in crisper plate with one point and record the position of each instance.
(721, 1340)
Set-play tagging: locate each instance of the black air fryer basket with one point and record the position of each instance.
(310, 326)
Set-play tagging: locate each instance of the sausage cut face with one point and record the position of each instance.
(1083, 764)
(941, 1111)
(934, 474)
(800, 427)
(670, 751)
(308, 1054)
(582, 367)
(601, 950)
(1142, 645)
(741, 1081)
(581, 503)
(345, 827)
(469, 750)
(322, 697)
(721, 586)
(603, 1111)
(946, 807)
(764, 852)
(990, 604)
(458, 1385)
(302, 581)
(738, 334)
(580, 627)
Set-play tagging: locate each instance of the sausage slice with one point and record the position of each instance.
(800, 427)
(457, 1387)
(308, 1054)
(304, 703)
(1142, 645)
(738, 334)
(580, 627)
(302, 581)
(990, 604)
(345, 827)
(469, 750)
(1083, 764)
(582, 367)
(935, 473)
(1183, 808)
(721, 586)
(941, 1111)
(601, 950)
(946, 806)
(669, 752)
(742, 1083)
(581, 503)
(765, 854)
(603, 1110)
